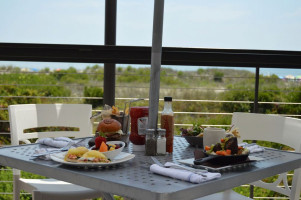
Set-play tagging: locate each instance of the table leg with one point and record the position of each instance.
(107, 196)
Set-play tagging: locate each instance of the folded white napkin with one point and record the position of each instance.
(253, 147)
(184, 174)
(58, 142)
(53, 143)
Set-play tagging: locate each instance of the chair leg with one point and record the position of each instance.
(16, 187)
(296, 184)
(36, 195)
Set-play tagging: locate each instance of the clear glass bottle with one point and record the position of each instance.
(161, 142)
(167, 123)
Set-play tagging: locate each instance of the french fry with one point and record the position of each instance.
(115, 110)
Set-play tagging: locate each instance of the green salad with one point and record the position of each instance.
(195, 130)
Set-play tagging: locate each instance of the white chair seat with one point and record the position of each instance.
(58, 190)
(226, 195)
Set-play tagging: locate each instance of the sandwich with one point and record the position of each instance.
(110, 128)
(94, 156)
(74, 154)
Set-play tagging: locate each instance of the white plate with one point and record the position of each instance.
(122, 157)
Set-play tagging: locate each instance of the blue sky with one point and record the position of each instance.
(238, 24)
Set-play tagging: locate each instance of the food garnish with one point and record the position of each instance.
(234, 132)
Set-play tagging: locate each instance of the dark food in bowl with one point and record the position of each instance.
(194, 141)
(193, 135)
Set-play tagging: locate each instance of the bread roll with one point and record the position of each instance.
(108, 126)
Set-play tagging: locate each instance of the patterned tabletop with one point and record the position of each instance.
(133, 178)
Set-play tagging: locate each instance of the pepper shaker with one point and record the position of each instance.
(150, 143)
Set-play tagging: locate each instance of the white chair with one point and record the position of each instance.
(273, 128)
(25, 116)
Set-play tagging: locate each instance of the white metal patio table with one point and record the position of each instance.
(133, 179)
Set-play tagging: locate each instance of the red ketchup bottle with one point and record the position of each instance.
(139, 120)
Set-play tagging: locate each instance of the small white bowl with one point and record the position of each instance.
(112, 154)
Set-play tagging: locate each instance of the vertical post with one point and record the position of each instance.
(255, 110)
(110, 39)
(154, 89)
(256, 91)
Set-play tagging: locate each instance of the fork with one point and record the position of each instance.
(175, 166)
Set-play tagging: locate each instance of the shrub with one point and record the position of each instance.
(218, 76)
(93, 92)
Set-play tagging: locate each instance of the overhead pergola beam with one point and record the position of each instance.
(142, 55)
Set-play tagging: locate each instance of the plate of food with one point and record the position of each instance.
(225, 152)
(83, 157)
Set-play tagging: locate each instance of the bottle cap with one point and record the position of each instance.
(167, 98)
(150, 131)
(161, 132)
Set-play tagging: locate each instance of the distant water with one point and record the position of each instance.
(35, 66)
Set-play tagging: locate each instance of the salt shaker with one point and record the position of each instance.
(150, 143)
(161, 142)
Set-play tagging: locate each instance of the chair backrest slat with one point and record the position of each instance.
(26, 116)
(273, 128)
